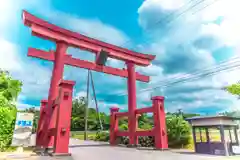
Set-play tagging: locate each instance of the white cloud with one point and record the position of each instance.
(198, 35)
(7, 15)
(151, 70)
(91, 27)
(9, 60)
(35, 78)
(188, 26)
(10, 15)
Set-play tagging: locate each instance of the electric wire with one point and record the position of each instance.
(224, 66)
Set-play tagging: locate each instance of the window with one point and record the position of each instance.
(197, 134)
(229, 135)
(214, 134)
(233, 136)
(201, 135)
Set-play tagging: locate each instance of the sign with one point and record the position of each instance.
(236, 149)
(23, 129)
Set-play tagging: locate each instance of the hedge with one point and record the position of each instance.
(7, 123)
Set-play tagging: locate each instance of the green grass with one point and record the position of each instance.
(80, 135)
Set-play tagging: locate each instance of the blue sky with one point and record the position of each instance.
(194, 40)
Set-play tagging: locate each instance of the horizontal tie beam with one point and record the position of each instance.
(144, 110)
(32, 52)
(122, 114)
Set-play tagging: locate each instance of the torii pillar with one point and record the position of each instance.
(57, 75)
(132, 104)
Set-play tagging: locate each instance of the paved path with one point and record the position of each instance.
(90, 150)
(100, 151)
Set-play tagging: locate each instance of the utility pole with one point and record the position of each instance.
(96, 103)
(179, 111)
(86, 109)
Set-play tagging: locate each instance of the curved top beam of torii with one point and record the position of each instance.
(52, 32)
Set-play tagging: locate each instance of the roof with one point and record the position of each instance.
(212, 117)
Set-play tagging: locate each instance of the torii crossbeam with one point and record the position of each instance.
(102, 50)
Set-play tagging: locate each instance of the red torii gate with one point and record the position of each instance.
(54, 131)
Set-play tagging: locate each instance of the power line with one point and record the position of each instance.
(225, 65)
(222, 63)
(193, 77)
(183, 81)
(177, 16)
(208, 5)
(172, 13)
(188, 9)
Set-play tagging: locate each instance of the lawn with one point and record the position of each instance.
(80, 135)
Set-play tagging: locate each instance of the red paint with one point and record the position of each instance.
(122, 114)
(145, 133)
(159, 130)
(68, 60)
(42, 117)
(161, 140)
(113, 125)
(132, 102)
(56, 129)
(63, 119)
(122, 133)
(57, 75)
(144, 110)
(52, 32)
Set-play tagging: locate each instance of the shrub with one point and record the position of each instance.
(123, 127)
(7, 123)
(102, 136)
(178, 130)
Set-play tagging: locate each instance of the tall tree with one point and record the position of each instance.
(9, 87)
(9, 90)
(233, 89)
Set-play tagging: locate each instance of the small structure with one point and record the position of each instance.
(216, 135)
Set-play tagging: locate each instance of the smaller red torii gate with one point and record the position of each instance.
(55, 113)
(158, 131)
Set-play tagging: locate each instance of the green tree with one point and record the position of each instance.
(178, 130)
(9, 87)
(78, 116)
(7, 122)
(78, 109)
(233, 89)
(9, 90)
